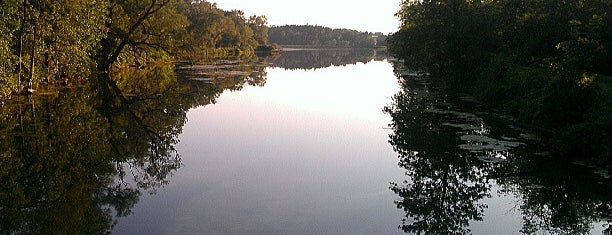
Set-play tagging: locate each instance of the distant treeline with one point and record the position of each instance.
(60, 41)
(547, 62)
(318, 36)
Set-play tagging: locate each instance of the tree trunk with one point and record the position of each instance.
(110, 54)
(32, 54)
(20, 46)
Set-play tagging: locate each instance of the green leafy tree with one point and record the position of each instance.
(259, 26)
(140, 30)
(32, 49)
(9, 25)
(213, 32)
(449, 38)
(69, 54)
(63, 41)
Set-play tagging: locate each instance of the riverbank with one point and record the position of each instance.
(578, 141)
(573, 116)
(575, 112)
(99, 37)
(440, 132)
(547, 65)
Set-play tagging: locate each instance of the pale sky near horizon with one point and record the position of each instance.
(371, 16)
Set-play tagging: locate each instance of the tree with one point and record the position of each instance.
(145, 28)
(259, 25)
(450, 38)
(99, 34)
(9, 25)
(70, 54)
(32, 49)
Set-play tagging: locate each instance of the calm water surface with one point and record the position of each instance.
(311, 142)
(306, 153)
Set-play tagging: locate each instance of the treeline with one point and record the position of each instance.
(546, 62)
(60, 41)
(318, 36)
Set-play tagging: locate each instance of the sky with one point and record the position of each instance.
(362, 15)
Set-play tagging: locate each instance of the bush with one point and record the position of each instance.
(572, 105)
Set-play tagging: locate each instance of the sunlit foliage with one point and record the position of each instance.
(60, 42)
(48, 41)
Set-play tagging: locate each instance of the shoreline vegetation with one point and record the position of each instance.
(101, 36)
(545, 63)
(64, 42)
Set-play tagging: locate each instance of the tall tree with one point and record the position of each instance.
(259, 25)
(33, 48)
(451, 38)
(141, 26)
(69, 54)
(9, 29)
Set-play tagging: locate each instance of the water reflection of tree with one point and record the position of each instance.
(559, 199)
(444, 186)
(58, 168)
(323, 58)
(446, 178)
(72, 161)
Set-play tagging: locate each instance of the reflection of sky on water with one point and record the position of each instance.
(310, 153)
(306, 153)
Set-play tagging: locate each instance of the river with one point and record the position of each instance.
(308, 142)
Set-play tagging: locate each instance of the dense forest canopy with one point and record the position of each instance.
(62, 41)
(319, 36)
(546, 62)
